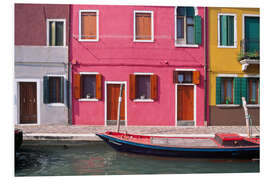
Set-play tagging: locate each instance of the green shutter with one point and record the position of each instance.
(218, 90)
(230, 28)
(223, 30)
(62, 89)
(244, 88)
(236, 91)
(46, 91)
(198, 30)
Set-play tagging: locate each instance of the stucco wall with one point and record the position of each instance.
(116, 56)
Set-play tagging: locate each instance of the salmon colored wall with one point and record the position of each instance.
(116, 56)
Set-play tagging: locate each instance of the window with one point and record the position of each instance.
(143, 26)
(88, 28)
(55, 32)
(53, 89)
(143, 87)
(186, 77)
(227, 30)
(228, 90)
(188, 26)
(87, 86)
(252, 34)
(253, 91)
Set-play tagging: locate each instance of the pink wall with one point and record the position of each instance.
(116, 56)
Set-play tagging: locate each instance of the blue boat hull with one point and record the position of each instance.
(128, 146)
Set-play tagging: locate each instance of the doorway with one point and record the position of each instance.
(112, 92)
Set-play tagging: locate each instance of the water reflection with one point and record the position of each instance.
(100, 159)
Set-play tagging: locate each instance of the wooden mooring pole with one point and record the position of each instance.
(246, 116)
(119, 107)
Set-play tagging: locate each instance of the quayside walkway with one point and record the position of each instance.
(78, 132)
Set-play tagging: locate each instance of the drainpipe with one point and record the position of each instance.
(70, 70)
(205, 68)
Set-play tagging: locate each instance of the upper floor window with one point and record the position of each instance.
(55, 32)
(143, 26)
(188, 26)
(251, 34)
(88, 25)
(227, 30)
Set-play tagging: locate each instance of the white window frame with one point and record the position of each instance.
(48, 31)
(183, 44)
(227, 105)
(65, 91)
(134, 26)
(235, 30)
(144, 74)
(91, 99)
(97, 25)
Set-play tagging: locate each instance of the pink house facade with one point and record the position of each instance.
(156, 53)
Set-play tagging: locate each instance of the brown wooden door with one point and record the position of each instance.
(113, 91)
(28, 102)
(185, 102)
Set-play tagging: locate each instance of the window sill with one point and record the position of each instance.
(89, 99)
(219, 46)
(88, 40)
(56, 104)
(253, 105)
(187, 45)
(135, 40)
(143, 100)
(228, 105)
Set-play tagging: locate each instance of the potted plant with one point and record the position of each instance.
(228, 100)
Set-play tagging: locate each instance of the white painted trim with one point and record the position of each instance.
(243, 22)
(134, 26)
(227, 75)
(142, 73)
(56, 104)
(105, 104)
(185, 69)
(84, 99)
(253, 105)
(143, 100)
(194, 102)
(235, 30)
(90, 73)
(17, 99)
(97, 26)
(228, 105)
(48, 32)
(252, 75)
(175, 30)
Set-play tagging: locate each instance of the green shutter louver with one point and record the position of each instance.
(244, 88)
(218, 90)
(46, 91)
(62, 89)
(230, 36)
(236, 90)
(223, 30)
(198, 30)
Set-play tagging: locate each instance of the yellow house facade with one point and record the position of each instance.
(233, 65)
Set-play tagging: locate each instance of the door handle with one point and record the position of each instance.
(23, 100)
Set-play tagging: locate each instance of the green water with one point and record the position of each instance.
(97, 158)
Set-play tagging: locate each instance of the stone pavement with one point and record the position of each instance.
(84, 132)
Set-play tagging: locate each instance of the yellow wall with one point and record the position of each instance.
(224, 60)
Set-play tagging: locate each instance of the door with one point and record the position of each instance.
(185, 102)
(113, 92)
(28, 103)
(252, 34)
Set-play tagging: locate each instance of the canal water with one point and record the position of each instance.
(97, 158)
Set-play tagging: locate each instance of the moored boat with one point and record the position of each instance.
(18, 135)
(221, 146)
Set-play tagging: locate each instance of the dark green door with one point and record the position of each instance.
(252, 34)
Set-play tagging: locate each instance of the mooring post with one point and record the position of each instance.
(119, 107)
(246, 115)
